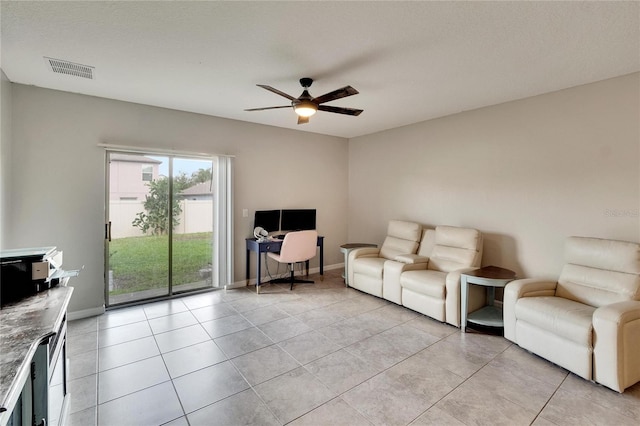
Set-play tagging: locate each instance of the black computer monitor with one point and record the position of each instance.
(267, 219)
(298, 219)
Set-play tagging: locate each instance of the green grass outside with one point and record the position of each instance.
(141, 263)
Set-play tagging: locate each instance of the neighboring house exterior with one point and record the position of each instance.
(199, 191)
(129, 176)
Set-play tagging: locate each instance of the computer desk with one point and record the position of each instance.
(273, 246)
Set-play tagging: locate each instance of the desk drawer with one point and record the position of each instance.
(272, 247)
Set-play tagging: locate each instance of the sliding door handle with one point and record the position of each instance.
(107, 231)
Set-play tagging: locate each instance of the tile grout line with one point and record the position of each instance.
(173, 385)
(549, 400)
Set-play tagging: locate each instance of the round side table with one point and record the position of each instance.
(346, 249)
(491, 277)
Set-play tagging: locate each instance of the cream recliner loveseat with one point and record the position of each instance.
(589, 320)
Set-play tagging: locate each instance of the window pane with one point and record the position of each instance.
(138, 212)
(193, 224)
(147, 173)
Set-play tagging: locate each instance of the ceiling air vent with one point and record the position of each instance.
(69, 68)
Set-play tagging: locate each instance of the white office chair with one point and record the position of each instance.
(298, 246)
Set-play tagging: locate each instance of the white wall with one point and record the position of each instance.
(59, 187)
(526, 173)
(5, 157)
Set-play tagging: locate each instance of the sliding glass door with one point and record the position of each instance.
(162, 226)
(191, 240)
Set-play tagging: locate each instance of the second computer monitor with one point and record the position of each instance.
(298, 219)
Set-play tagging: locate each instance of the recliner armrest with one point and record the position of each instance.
(359, 253)
(364, 252)
(528, 287)
(618, 313)
(616, 330)
(411, 258)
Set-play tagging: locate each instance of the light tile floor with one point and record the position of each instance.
(321, 354)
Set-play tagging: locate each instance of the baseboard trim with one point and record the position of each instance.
(85, 313)
(92, 312)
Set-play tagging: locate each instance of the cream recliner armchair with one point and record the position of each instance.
(434, 288)
(366, 265)
(589, 320)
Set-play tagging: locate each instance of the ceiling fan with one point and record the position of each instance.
(306, 105)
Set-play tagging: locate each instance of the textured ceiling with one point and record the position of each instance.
(411, 61)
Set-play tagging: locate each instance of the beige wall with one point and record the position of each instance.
(5, 157)
(526, 173)
(59, 186)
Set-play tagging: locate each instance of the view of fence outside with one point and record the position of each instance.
(195, 217)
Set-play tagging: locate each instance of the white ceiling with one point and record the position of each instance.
(411, 61)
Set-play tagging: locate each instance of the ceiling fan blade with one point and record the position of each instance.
(336, 94)
(262, 109)
(340, 110)
(276, 91)
(303, 120)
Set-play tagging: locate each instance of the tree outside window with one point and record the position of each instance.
(155, 219)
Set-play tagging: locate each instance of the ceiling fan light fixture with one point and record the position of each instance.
(306, 105)
(305, 108)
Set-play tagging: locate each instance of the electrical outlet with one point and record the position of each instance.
(245, 213)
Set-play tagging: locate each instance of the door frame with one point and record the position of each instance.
(222, 244)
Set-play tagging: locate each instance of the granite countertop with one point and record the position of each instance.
(23, 326)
